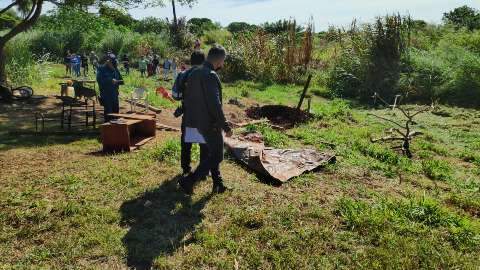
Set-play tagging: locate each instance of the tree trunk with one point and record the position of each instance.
(175, 25)
(174, 15)
(3, 60)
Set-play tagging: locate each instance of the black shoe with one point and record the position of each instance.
(220, 188)
(186, 185)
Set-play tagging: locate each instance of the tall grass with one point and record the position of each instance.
(282, 57)
(23, 66)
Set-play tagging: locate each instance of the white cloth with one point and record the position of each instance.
(193, 136)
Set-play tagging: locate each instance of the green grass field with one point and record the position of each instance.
(62, 207)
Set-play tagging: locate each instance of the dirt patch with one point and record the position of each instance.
(280, 115)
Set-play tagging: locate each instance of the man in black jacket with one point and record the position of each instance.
(179, 88)
(205, 120)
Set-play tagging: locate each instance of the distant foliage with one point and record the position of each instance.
(280, 27)
(22, 65)
(117, 16)
(79, 31)
(270, 57)
(238, 27)
(183, 39)
(198, 26)
(151, 25)
(463, 16)
(370, 59)
(219, 36)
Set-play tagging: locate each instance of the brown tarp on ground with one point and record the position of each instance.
(281, 164)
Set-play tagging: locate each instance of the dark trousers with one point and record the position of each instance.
(110, 105)
(186, 153)
(214, 145)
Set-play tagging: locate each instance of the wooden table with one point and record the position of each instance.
(127, 135)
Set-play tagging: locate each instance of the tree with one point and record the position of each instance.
(281, 26)
(30, 11)
(175, 21)
(151, 25)
(198, 26)
(118, 16)
(464, 16)
(237, 27)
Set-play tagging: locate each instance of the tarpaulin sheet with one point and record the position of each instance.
(281, 164)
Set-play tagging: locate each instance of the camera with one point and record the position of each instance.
(178, 112)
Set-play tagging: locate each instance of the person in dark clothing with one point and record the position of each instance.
(204, 119)
(67, 60)
(84, 59)
(180, 86)
(109, 79)
(126, 64)
(155, 63)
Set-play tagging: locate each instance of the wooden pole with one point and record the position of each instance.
(305, 89)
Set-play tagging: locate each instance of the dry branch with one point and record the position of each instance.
(404, 129)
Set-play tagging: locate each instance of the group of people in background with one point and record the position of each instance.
(150, 66)
(74, 63)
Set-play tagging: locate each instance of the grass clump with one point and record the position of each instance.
(271, 137)
(169, 151)
(377, 152)
(438, 170)
(419, 218)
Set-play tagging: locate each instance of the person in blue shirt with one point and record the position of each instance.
(76, 64)
(109, 80)
(166, 68)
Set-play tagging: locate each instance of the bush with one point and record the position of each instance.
(370, 60)
(53, 43)
(22, 66)
(218, 36)
(270, 57)
(112, 41)
(427, 79)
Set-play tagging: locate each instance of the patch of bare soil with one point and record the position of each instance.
(280, 115)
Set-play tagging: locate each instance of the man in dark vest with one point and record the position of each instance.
(109, 80)
(204, 119)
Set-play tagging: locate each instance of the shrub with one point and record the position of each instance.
(53, 43)
(281, 57)
(371, 57)
(22, 66)
(112, 41)
(427, 78)
(218, 36)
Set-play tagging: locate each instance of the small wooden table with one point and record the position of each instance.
(127, 134)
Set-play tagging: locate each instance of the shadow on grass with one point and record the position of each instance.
(31, 139)
(159, 220)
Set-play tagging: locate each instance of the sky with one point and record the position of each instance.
(324, 12)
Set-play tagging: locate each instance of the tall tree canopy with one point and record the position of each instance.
(464, 16)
